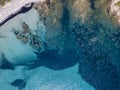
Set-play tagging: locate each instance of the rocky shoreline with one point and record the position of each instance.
(8, 12)
(14, 7)
(115, 9)
(60, 34)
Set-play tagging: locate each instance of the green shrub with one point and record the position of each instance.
(118, 3)
(2, 2)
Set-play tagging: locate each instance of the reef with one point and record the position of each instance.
(89, 24)
(70, 32)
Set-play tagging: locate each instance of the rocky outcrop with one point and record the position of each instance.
(75, 31)
(30, 37)
(91, 28)
(71, 25)
(61, 16)
(115, 9)
(19, 83)
(51, 13)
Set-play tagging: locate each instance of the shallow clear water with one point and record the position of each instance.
(51, 71)
(90, 66)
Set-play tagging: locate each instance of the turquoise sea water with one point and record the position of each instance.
(50, 72)
(92, 67)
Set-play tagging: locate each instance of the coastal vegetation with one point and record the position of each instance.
(118, 3)
(2, 2)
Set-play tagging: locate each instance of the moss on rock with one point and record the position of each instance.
(118, 3)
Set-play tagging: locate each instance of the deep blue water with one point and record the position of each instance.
(95, 60)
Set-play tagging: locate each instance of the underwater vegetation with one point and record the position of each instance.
(65, 45)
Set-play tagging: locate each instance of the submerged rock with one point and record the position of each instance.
(19, 83)
(26, 28)
(92, 27)
(4, 64)
(51, 14)
(67, 32)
